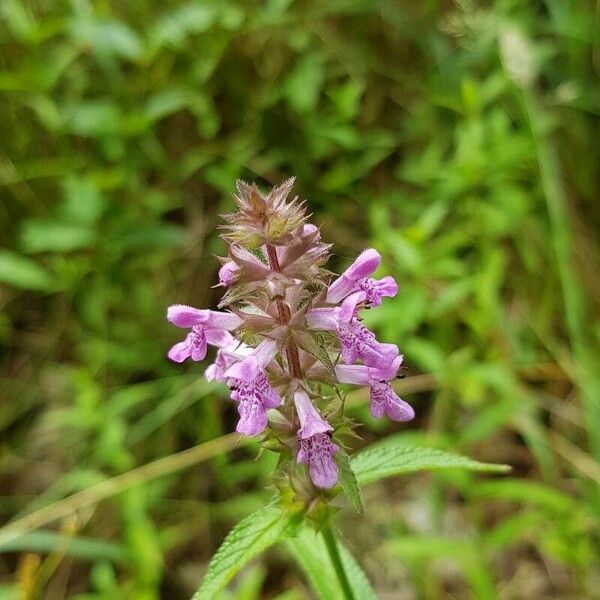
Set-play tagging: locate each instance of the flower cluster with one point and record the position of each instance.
(273, 349)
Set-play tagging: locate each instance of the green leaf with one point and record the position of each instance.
(82, 203)
(24, 273)
(379, 462)
(309, 550)
(348, 481)
(54, 236)
(19, 19)
(108, 38)
(316, 346)
(528, 492)
(303, 85)
(93, 118)
(80, 547)
(176, 26)
(249, 538)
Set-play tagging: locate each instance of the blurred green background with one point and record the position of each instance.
(460, 138)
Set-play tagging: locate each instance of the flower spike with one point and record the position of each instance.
(272, 346)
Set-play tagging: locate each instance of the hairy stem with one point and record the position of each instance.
(336, 561)
(285, 316)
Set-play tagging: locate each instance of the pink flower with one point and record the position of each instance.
(356, 340)
(376, 289)
(279, 293)
(317, 452)
(311, 422)
(234, 351)
(383, 398)
(228, 273)
(364, 266)
(256, 361)
(207, 327)
(358, 277)
(251, 388)
(254, 398)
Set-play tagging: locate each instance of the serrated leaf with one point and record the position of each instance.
(24, 273)
(311, 290)
(348, 481)
(309, 550)
(235, 294)
(249, 538)
(379, 462)
(315, 346)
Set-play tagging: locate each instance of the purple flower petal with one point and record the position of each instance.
(179, 352)
(356, 374)
(253, 417)
(317, 451)
(347, 311)
(219, 338)
(198, 345)
(364, 266)
(311, 422)
(375, 289)
(228, 273)
(186, 316)
(322, 319)
(359, 343)
(254, 398)
(385, 401)
(226, 357)
(253, 365)
(223, 320)
(193, 346)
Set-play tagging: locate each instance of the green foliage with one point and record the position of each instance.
(377, 462)
(21, 272)
(249, 538)
(460, 139)
(310, 552)
(349, 482)
(46, 541)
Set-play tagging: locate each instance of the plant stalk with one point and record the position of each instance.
(336, 561)
(285, 316)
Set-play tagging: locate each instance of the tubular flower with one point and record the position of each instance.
(311, 422)
(383, 398)
(357, 277)
(364, 266)
(254, 398)
(251, 388)
(376, 289)
(207, 327)
(227, 273)
(227, 355)
(271, 350)
(356, 341)
(317, 452)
